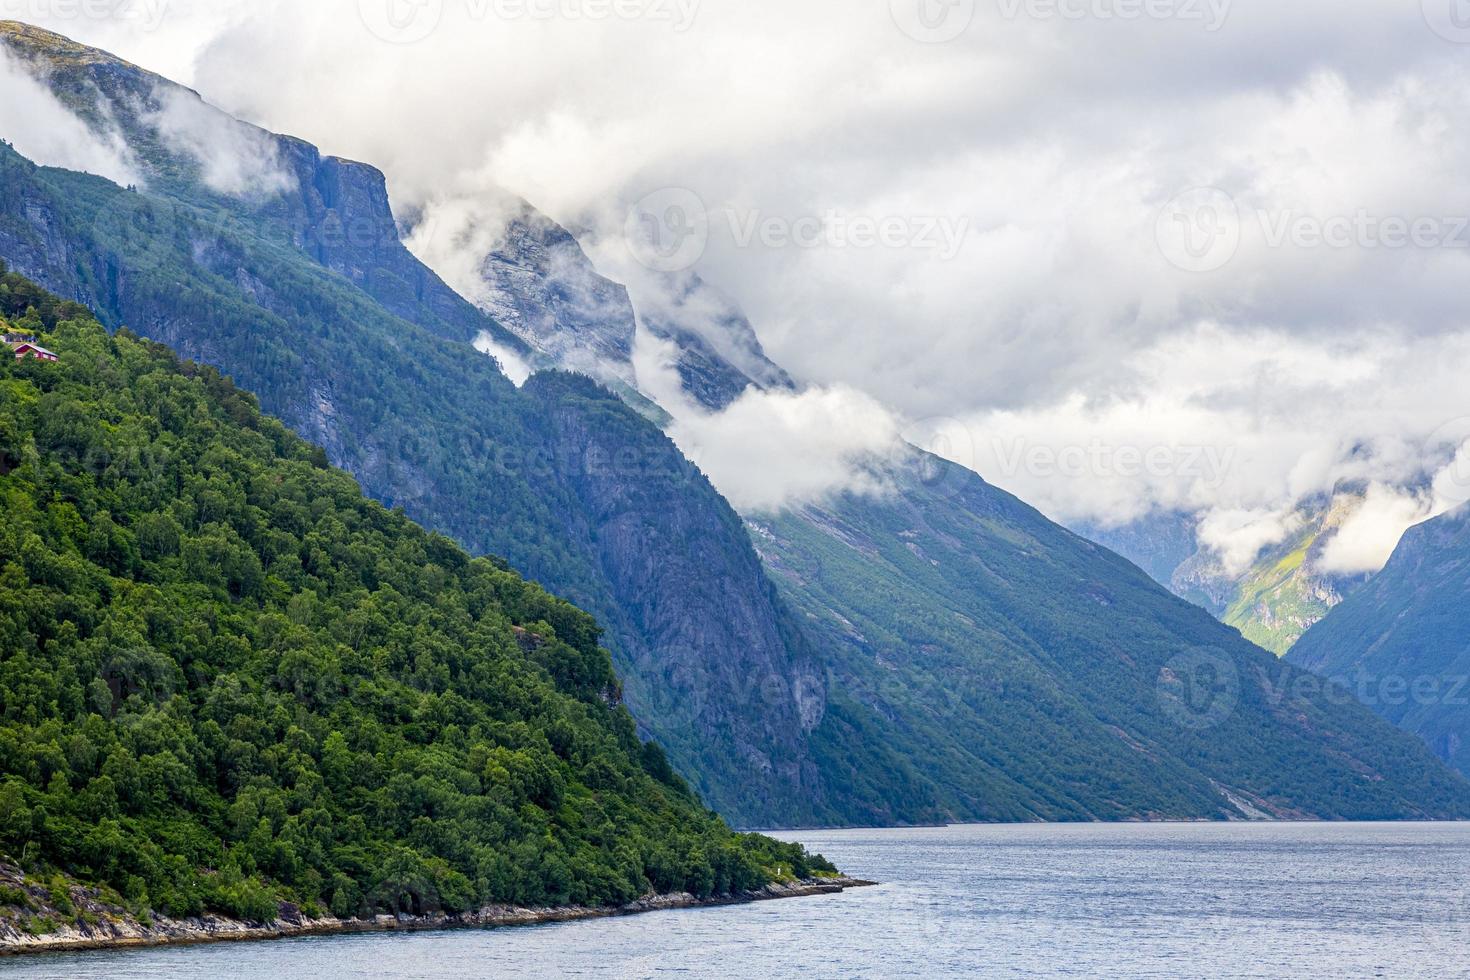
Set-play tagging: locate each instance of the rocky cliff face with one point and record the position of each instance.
(339, 214)
(539, 282)
(719, 355)
(718, 671)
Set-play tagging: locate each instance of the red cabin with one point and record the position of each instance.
(29, 349)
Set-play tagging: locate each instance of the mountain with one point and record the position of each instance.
(531, 282)
(232, 681)
(1010, 669)
(537, 280)
(1276, 597)
(1400, 643)
(1159, 543)
(299, 288)
(719, 356)
(1042, 676)
(1003, 667)
(1287, 590)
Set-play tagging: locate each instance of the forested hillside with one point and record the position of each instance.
(307, 299)
(230, 679)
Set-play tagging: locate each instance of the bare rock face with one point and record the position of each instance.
(719, 355)
(541, 285)
(543, 288)
(714, 666)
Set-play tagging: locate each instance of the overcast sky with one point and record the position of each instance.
(1118, 253)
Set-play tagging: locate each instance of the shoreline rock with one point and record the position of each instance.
(117, 929)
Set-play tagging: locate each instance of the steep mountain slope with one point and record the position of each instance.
(1011, 670)
(1402, 643)
(1039, 675)
(306, 319)
(231, 680)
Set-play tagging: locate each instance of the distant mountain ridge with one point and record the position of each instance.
(1273, 601)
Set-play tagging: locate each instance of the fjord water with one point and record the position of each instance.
(1147, 900)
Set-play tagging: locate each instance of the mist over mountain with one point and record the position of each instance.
(309, 299)
(876, 636)
(997, 472)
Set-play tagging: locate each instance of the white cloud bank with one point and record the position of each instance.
(47, 132)
(1367, 538)
(1320, 337)
(771, 450)
(234, 159)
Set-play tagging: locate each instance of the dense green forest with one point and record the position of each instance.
(228, 678)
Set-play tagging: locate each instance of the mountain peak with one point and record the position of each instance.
(55, 47)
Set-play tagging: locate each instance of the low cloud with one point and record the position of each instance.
(772, 450)
(512, 365)
(452, 234)
(1368, 537)
(47, 132)
(1061, 321)
(234, 158)
(1240, 429)
(1237, 537)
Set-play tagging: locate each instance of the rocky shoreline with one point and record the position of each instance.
(103, 926)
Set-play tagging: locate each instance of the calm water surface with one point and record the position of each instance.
(1177, 900)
